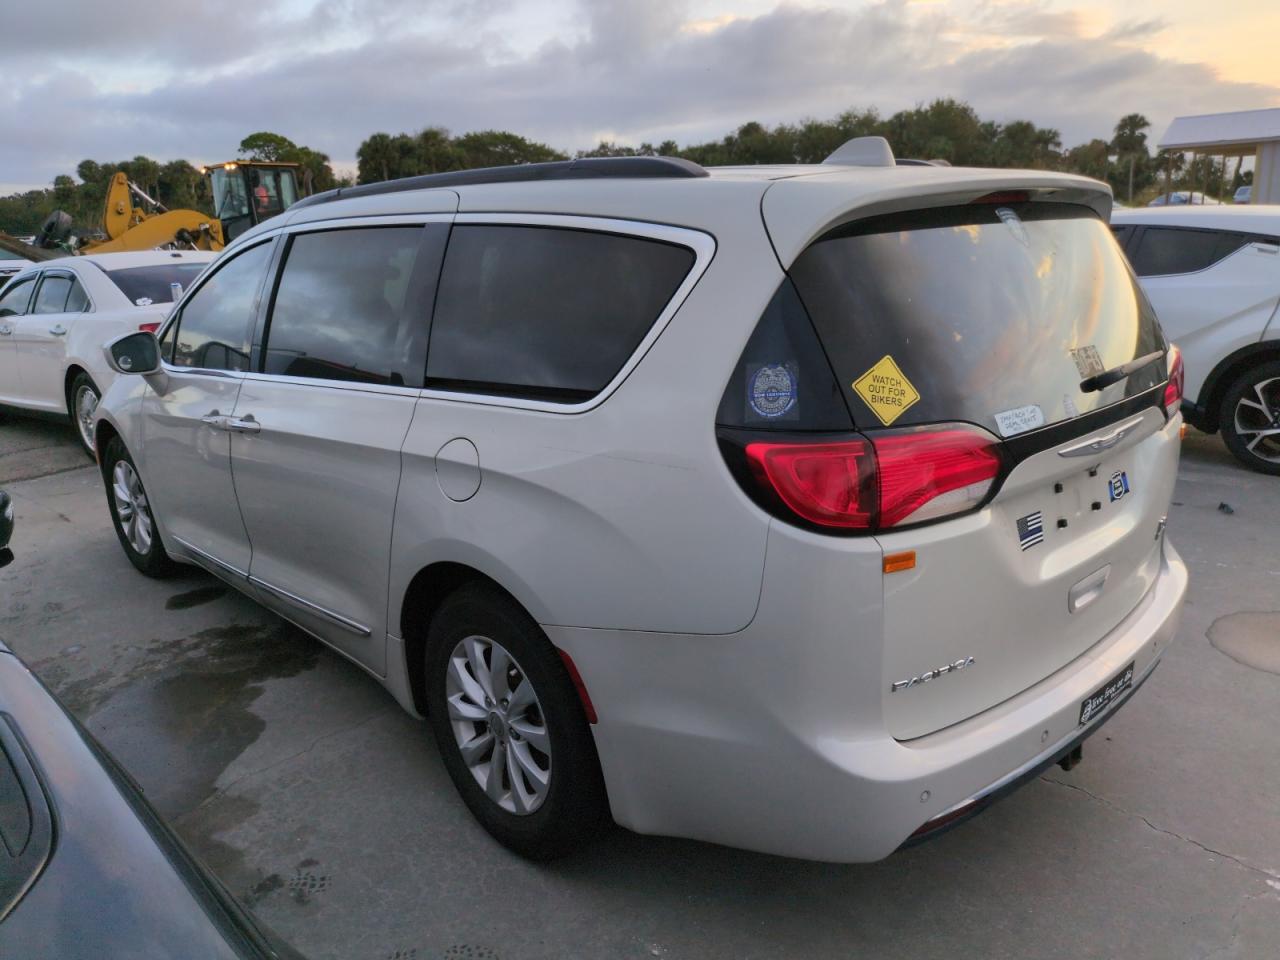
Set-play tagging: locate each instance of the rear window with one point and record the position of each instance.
(546, 312)
(987, 314)
(143, 286)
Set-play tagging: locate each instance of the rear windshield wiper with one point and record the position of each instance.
(1100, 381)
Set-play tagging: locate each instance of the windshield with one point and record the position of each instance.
(144, 286)
(987, 313)
(229, 196)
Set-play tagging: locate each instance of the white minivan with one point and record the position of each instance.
(806, 509)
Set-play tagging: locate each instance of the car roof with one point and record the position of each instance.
(1262, 218)
(803, 199)
(139, 258)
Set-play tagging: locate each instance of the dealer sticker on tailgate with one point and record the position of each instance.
(1104, 695)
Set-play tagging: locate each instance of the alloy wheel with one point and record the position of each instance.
(1257, 420)
(131, 506)
(86, 404)
(498, 725)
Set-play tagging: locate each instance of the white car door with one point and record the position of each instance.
(40, 338)
(1224, 292)
(185, 455)
(13, 304)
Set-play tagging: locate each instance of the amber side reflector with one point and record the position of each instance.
(1182, 432)
(897, 562)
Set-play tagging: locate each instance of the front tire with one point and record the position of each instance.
(511, 730)
(82, 402)
(1250, 418)
(131, 513)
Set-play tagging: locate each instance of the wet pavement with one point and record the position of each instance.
(323, 805)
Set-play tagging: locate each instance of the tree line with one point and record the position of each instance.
(946, 129)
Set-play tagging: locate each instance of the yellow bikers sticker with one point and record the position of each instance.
(886, 390)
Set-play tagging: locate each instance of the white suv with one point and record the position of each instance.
(805, 509)
(1213, 276)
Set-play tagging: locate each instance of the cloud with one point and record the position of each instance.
(627, 70)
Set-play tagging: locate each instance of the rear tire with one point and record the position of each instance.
(131, 513)
(1251, 408)
(548, 797)
(82, 401)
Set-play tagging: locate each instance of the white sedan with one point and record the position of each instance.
(56, 316)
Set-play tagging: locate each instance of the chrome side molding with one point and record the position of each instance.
(346, 623)
(209, 558)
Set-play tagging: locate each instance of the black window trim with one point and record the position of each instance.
(1140, 231)
(262, 325)
(175, 315)
(698, 242)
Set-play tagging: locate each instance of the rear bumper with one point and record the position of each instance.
(771, 739)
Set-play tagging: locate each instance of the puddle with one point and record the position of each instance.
(1252, 639)
(177, 722)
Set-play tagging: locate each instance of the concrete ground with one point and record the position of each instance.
(325, 807)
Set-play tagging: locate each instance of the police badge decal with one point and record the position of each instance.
(772, 391)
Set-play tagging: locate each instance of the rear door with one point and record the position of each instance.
(1213, 290)
(40, 338)
(318, 428)
(995, 315)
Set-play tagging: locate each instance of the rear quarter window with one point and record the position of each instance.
(546, 312)
(1162, 251)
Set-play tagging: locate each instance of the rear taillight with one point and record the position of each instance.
(934, 473)
(830, 484)
(150, 327)
(1177, 376)
(873, 483)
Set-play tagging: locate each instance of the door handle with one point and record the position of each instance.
(1087, 590)
(216, 420)
(245, 424)
(58, 330)
(6, 330)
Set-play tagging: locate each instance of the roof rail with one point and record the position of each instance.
(586, 168)
(863, 152)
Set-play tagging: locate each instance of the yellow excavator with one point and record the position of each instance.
(244, 194)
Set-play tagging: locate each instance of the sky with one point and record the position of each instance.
(108, 81)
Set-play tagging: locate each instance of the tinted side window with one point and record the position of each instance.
(549, 312)
(1167, 250)
(77, 299)
(1122, 235)
(52, 297)
(13, 300)
(213, 331)
(349, 305)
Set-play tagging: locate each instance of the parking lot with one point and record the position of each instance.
(316, 799)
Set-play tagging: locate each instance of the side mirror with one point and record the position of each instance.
(134, 353)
